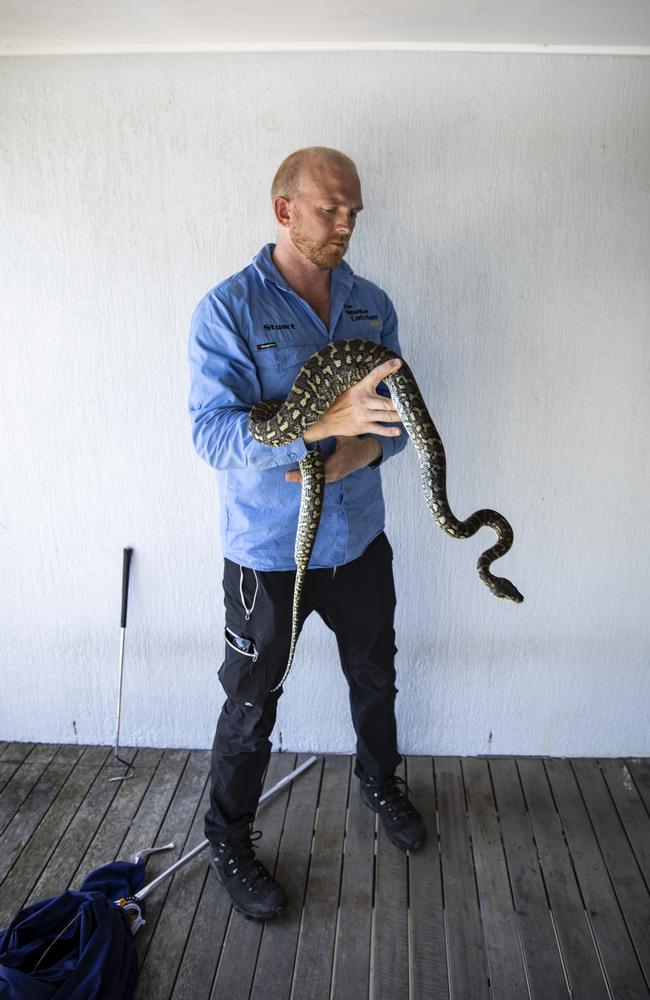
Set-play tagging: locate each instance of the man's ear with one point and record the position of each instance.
(282, 210)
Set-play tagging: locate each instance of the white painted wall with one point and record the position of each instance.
(67, 26)
(507, 216)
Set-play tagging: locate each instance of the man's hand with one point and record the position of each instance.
(351, 453)
(359, 410)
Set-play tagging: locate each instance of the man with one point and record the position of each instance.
(249, 338)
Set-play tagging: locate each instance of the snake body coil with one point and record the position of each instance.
(328, 373)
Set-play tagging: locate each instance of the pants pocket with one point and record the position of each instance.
(243, 672)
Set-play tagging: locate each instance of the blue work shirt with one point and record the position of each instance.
(249, 338)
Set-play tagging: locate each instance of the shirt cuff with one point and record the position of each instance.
(377, 462)
(389, 446)
(295, 451)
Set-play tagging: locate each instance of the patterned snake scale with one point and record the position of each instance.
(323, 378)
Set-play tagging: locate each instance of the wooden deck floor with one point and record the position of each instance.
(533, 883)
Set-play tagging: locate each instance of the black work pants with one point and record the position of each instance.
(356, 601)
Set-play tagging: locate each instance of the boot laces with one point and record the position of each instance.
(393, 798)
(240, 860)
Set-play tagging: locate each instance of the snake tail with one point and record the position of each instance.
(312, 469)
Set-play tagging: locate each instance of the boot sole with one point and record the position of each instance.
(259, 920)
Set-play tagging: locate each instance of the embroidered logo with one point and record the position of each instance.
(358, 314)
(265, 347)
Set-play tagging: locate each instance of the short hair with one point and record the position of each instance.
(286, 182)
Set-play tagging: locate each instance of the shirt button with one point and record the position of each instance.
(292, 456)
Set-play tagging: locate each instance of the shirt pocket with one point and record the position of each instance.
(279, 365)
(283, 355)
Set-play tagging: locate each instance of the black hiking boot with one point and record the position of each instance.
(402, 822)
(252, 889)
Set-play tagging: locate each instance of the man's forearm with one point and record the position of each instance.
(350, 454)
(376, 450)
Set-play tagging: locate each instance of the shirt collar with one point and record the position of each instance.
(342, 276)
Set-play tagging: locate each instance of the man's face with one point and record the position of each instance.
(324, 212)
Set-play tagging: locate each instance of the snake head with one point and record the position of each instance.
(509, 591)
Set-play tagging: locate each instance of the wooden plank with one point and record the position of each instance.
(621, 965)
(236, 968)
(314, 958)
(276, 958)
(143, 829)
(170, 909)
(633, 813)
(7, 772)
(429, 975)
(43, 753)
(23, 781)
(500, 928)
(546, 978)
(21, 885)
(203, 946)
(182, 801)
(639, 768)
(626, 878)
(16, 753)
(38, 801)
(11, 757)
(353, 934)
(174, 928)
(389, 969)
(580, 957)
(467, 966)
(105, 845)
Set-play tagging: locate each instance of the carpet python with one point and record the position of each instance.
(324, 376)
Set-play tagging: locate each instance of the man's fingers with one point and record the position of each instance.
(374, 377)
(382, 409)
(377, 402)
(384, 431)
